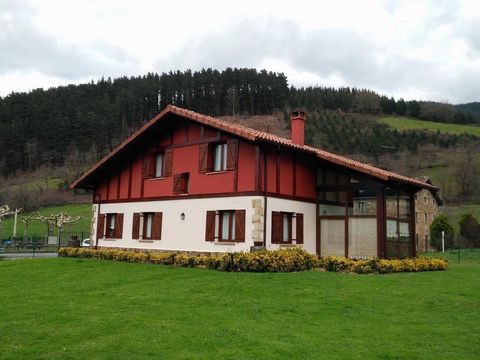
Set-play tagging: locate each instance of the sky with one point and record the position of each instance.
(424, 50)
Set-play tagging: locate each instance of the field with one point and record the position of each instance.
(403, 123)
(455, 212)
(38, 228)
(85, 308)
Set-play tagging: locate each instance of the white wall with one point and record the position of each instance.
(177, 234)
(189, 234)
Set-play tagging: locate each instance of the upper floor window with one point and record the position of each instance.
(159, 165)
(215, 157)
(220, 157)
(181, 183)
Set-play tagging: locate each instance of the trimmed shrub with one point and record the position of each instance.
(288, 260)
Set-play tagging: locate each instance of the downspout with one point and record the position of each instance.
(265, 199)
(98, 215)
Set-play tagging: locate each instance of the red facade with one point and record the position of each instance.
(287, 173)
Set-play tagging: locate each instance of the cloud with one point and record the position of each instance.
(24, 48)
(349, 57)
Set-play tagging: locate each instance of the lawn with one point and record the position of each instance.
(84, 308)
(40, 229)
(403, 123)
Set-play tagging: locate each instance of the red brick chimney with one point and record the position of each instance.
(298, 127)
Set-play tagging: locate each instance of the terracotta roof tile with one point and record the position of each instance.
(261, 136)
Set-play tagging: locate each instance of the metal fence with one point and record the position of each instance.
(43, 242)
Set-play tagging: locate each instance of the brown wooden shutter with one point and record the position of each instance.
(148, 166)
(177, 183)
(203, 158)
(136, 226)
(118, 226)
(168, 162)
(101, 226)
(277, 228)
(157, 226)
(210, 226)
(299, 218)
(231, 154)
(240, 225)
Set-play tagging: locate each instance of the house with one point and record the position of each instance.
(190, 182)
(428, 206)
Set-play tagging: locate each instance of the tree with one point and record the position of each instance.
(439, 224)
(470, 230)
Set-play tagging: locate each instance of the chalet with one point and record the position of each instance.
(190, 182)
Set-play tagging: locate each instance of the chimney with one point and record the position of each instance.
(298, 127)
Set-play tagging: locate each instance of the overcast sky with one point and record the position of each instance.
(426, 50)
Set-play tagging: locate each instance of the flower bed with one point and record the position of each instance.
(287, 260)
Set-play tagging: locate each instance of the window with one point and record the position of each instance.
(220, 157)
(150, 224)
(215, 157)
(110, 226)
(180, 183)
(426, 221)
(147, 225)
(159, 165)
(287, 227)
(225, 225)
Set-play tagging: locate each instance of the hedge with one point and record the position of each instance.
(288, 260)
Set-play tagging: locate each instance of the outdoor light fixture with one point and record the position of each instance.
(182, 216)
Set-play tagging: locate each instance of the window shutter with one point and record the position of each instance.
(277, 228)
(231, 154)
(168, 162)
(101, 226)
(240, 225)
(148, 166)
(203, 158)
(157, 226)
(210, 226)
(299, 218)
(136, 226)
(177, 183)
(118, 226)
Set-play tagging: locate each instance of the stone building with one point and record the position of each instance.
(428, 204)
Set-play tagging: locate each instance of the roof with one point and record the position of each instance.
(255, 136)
(434, 192)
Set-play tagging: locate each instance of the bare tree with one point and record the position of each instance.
(6, 211)
(466, 173)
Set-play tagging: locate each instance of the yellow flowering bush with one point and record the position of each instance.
(288, 260)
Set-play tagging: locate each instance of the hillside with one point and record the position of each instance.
(405, 123)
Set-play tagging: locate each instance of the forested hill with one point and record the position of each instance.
(44, 127)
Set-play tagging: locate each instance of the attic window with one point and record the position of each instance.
(180, 183)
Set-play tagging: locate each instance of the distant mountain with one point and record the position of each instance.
(473, 107)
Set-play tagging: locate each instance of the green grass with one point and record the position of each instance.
(38, 228)
(403, 123)
(84, 308)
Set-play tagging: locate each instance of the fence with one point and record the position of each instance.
(42, 242)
